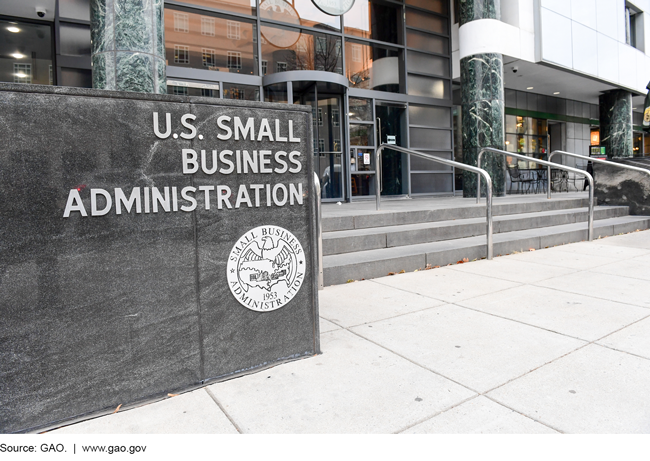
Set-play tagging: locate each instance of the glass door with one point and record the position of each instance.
(328, 142)
(362, 148)
(391, 120)
(329, 146)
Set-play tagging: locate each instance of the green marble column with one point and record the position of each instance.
(128, 45)
(616, 123)
(482, 100)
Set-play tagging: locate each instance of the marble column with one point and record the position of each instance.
(128, 45)
(482, 100)
(616, 123)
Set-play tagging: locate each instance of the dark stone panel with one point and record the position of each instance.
(511, 98)
(234, 337)
(570, 108)
(617, 186)
(471, 10)
(106, 310)
(522, 102)
(531, 101)
(616, 123)
(542, 103)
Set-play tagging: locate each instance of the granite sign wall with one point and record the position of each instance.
(149, 244)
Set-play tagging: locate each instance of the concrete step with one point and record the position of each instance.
(349, 241)
(368, 264)
(466, 210)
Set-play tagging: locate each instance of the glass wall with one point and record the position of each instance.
(26, 53)
(211, 43)
(526, 135)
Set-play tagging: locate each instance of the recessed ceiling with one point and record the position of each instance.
(550, 80)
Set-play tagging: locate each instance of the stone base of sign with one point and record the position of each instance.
(617, 186)
(113, 308)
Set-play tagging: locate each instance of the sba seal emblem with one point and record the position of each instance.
(266, 268)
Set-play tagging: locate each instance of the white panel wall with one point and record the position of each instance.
(588, 36)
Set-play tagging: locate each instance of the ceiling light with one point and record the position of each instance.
(634, 108)
(18, 55)
(21, 75)
(529, 88)
(557, 92)
(13, 29)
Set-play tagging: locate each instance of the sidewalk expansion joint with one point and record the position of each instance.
(232, 421)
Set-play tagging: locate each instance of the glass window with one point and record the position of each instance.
(425, 138)
(428, 64)
(207, 26)
(25, 53)
(427, 42)
(290, 49)
(74, 9)
(234, 6)
(276, 93)
(181, 22)
(373, 20)
(429, 116)
(429, 87)
(425, 21)
(81, 78)
(298, 13)
(361, 135)
(379, 68)
(205, 42)
(437, 6)
(236, 91)
(192, 89)
(360, 109)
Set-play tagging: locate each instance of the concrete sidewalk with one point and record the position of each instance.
(550, 341)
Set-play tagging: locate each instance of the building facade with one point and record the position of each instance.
(386, 71)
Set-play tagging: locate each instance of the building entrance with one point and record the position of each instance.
(391, 123)
(327, 117)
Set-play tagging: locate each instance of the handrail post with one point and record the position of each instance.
(377, 178)
(462, 166)
(478, 177)
(319, 230)
(548, 163)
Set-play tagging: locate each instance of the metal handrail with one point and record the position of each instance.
(590, 228)
(319, 228)
(597, 160)
(462, 166)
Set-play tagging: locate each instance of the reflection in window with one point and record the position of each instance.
(234, 60)
(276, 93)
(298, 13)
(181, 54)
(233, 30)
(370, 19)
(192, 89)
(264, 64)
(235, 6)
(243, 92)
(207, 26)
(360, 109)
(292, 49)
(212, 43)
(209, 58)
(22, 73)
(25, 53)
(378, 69)
(181, 22)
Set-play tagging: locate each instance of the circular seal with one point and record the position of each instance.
(334, 7)
(266, 268)
(282, 11)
